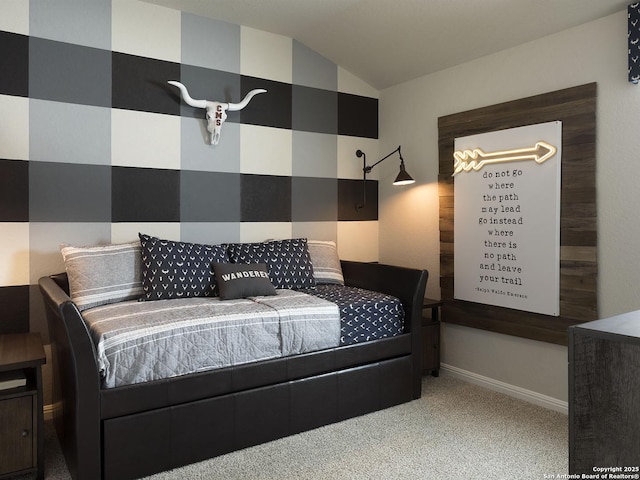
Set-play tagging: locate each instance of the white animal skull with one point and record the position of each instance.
(216, 111)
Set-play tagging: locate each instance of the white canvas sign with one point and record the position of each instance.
(507, 218)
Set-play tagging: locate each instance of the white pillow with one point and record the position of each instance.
(325, 261)
(104, 274)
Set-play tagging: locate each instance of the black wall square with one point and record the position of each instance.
(357, 116)
(141, 84)
(265, 198)
(14, 305)
(14, 64)
(352, 193)
(14, 191)
(271, 109)
(145, 195)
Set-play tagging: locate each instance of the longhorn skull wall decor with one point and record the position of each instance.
(216, 111)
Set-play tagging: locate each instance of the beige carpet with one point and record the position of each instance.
(455, 431)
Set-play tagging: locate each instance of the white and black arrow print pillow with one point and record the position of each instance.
(178, 269)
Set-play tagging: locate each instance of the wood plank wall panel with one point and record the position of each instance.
(576, 108)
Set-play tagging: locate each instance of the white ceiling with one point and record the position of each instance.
(386, 42)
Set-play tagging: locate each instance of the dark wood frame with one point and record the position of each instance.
(576, 108)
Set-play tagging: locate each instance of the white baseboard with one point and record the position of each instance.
(506, 388)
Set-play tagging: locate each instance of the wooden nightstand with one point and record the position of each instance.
(21, 414)
(431, 337)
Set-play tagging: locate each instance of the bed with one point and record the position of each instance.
(136, 428)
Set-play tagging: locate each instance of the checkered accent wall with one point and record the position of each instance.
(95, 146)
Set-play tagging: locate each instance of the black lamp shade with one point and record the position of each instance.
(403, 177)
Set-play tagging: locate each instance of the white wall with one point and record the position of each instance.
(409, 232)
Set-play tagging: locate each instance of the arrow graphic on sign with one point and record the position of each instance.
(467, 160)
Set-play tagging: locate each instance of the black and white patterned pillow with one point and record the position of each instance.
(287, 261)
(178, 269)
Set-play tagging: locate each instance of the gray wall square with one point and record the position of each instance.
(69, 73)
(209, 197)
(210, 43)
(314, 154)
(314, 199)
(197, 154)
(314, 110)
(64, 192)
(79, 133)
(310, 69)
(89, 25)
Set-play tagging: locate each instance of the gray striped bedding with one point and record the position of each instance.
(143, 341)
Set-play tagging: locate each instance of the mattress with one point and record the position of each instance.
(364, 315)
(143, 341)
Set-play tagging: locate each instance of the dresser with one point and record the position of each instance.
(604, 395)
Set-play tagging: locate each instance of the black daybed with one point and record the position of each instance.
(139, 429)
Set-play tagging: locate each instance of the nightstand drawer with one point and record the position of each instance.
(17, 433)
(21, 416)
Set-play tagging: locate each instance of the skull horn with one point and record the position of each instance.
(187, 98)
(239, 106)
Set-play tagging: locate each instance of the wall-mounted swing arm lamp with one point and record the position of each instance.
(403, 177)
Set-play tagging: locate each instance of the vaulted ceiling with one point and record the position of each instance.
(386, 42)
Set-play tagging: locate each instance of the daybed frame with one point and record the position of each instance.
(133, 431)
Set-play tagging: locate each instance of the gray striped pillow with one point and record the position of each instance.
(103, 274)
(325, 261)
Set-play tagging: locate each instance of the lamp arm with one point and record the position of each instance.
(366, 169)
(370, 167)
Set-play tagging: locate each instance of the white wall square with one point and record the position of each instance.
(15, 16)
(316, 230)
(14, 254)
(358, 241)
(262, 231)
(141, 139)
(265, 150)
(147, 30)
(266, 55)
(14, 128)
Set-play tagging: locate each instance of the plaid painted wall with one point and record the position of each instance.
(95, 146)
